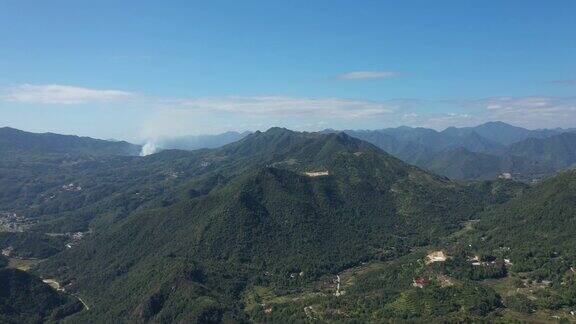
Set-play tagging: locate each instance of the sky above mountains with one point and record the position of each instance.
(143, 69)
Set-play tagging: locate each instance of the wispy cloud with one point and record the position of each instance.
(183, 116)
(169, 117)
(289, 106)
(61, 94)
(367, 75)
(529, 111)
(534, 105)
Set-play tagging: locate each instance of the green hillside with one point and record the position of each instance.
(26, 299)
(286, 227)
(537, 226)
(515, 264)
(270, 225)
(17, 142)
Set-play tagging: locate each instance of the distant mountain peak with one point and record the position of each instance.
(496, 123)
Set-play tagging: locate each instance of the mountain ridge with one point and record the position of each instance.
(270, 218)
(18, 141)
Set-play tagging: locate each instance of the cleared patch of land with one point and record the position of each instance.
(22, 264)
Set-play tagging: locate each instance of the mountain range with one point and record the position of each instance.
(481, 152)
(467, 153)
(14, 141)
(284, 226)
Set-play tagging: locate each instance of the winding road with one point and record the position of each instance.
(56, 286)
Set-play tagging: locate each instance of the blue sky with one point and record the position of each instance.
(142, 69)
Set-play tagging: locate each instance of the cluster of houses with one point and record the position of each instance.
(432, 257)
(475, 261)
(317, 174)
(75, 239)
(505, 175)
(441, 256)
(12, 222)
(420, 282)
(71, 187)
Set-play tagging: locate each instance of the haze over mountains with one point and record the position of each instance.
(466, 153)
(482, 152)
(201, 141)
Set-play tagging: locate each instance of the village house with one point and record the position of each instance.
(420, 282)
(505, 175)
(317, 173)
(475, 260)
(7, 251)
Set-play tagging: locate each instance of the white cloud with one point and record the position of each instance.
(533, 106)
(61, 94)
(218, 114)
(529, 111)
(168, 117)
(186, 116)
(289, 106)
(367, 75)
(532, 111)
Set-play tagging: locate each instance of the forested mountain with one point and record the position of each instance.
(425, 142)
(461, 163)
(502, 133)
(283, 226)
(465, 153)
(26, 299)
(481, 152)
(485, 138)
(307, 205)
(17, 141)
(546, 215)
(515, 263)
(530, 159)
(509, 149)
(556, 152)
(534, 236)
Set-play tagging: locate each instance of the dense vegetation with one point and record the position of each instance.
(481, 152)
(516, 264)
(267, 225)
(26, 299)
(536, 231)
(379, 292)
(286, 227)
(14, 141)
(31, 244)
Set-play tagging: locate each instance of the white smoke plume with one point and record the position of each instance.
(149, 148)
